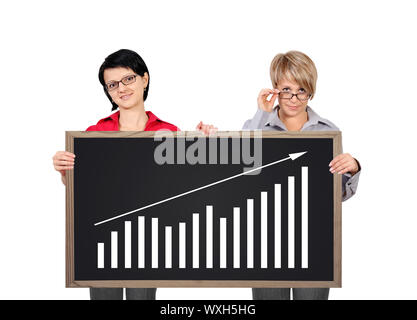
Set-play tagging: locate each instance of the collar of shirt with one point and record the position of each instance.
(111, 123)
(313, 119)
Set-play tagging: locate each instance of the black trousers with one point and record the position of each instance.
(284, 293)
(117, 293)
(257, 293)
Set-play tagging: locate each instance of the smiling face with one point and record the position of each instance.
(293, 107)
(126, 96)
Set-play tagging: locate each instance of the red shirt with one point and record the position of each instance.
(111, 123)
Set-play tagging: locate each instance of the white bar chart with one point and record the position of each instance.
(304, 217)
(141, 242)
(114, 250)
(196, 241)
(182, 238)
(241, 240)
(209, 237)
(250, 237)
(168, 247)
(128, 244)
(223, 243)
(277, 226)
(291, 223)
(236, 237)
(154, 243)
(264, 229)
(100, 255)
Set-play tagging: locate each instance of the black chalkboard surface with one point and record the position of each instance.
(242, 209)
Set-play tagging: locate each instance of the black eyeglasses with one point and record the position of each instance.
(113, 85)
(303, 96)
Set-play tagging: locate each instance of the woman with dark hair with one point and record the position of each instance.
(125, 80)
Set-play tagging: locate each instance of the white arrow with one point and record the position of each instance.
(292, 156)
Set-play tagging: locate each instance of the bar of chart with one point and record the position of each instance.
(190, 234)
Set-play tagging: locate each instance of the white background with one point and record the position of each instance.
(208, 61)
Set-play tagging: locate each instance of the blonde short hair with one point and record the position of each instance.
(294, 66)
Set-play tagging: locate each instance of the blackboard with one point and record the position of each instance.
(159, 212)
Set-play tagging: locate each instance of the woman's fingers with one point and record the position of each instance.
(347, 169)
(337, 158)
(266, 92)
(63, 160)
(63, 163)
(342, 164)
(273, 98)
(69, 154)
(263, 102)
(64, 153)
(63, 168)
(198, 126)
(213, 130)
(207, 129)
(337, 162)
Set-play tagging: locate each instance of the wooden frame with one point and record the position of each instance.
(70, 274)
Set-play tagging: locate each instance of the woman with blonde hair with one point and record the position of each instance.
(294, 76)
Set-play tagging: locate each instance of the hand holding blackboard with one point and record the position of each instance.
(207, 129)
(63, 160)
(344, 163)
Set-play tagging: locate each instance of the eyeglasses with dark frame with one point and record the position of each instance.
(113, 85)
(302, 96)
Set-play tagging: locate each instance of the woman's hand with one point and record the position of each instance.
(63, 160)
(344, 163)
(207, 129)
(263, 102)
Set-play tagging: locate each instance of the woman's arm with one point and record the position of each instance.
(257, 122)
(265, 107)
(350, 183)
(350, 168)
(63, 160)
